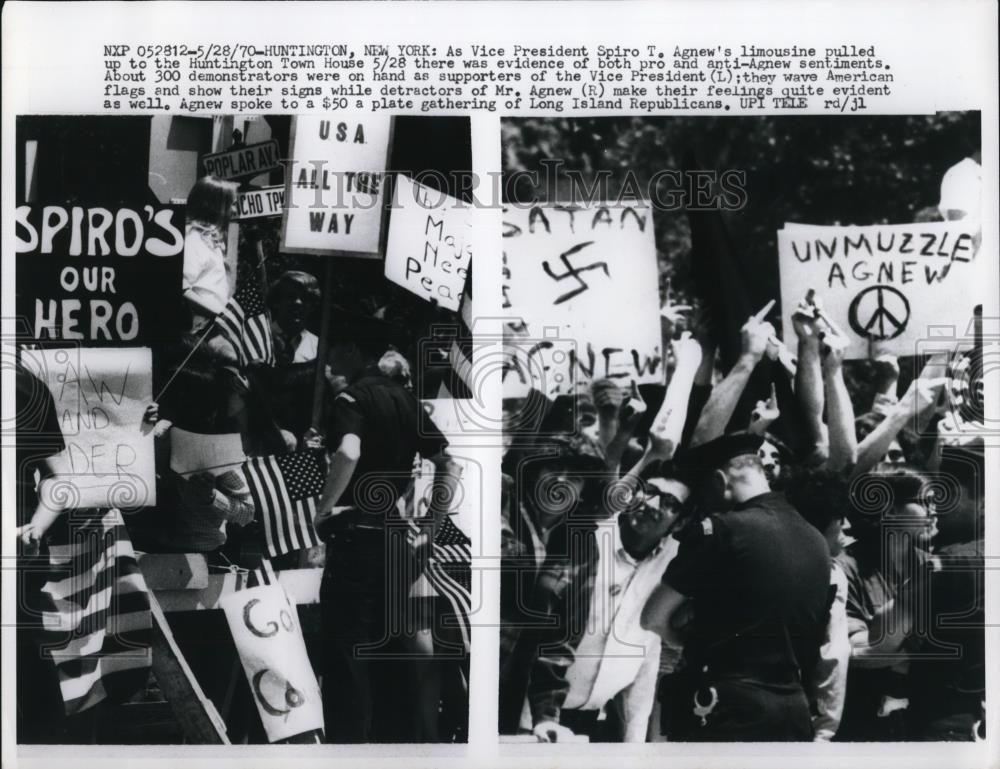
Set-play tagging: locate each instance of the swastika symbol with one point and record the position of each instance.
(574, 272)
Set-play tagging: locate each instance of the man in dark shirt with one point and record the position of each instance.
(758, 577)
(376, 428)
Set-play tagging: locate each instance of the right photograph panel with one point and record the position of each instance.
(743, 417)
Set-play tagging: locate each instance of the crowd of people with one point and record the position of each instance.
(694, 570)
(408, 684)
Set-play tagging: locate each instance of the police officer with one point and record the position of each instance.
(375, 429)
(757, 576)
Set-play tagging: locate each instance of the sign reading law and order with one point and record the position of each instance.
(888, 286)
(584, 281)
(95, 274)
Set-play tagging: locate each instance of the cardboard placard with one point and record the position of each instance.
(430, 243)
(584, 281)
(242, 162)
(101, 395)
(100, 275)
(335, 185)
(888, 286)
(198, 452)
(268, 637)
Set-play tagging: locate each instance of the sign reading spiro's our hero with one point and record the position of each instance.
(335, 185)
(100, 275)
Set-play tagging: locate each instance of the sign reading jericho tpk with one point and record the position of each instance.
(256, 204)
(335, 185)
(249, 160)
(888, 286)
(430, 243)
(584, 281)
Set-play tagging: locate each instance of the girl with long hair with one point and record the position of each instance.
(210, 207)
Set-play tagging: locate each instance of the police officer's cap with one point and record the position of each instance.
(714, 454)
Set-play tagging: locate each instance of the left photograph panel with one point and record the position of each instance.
(241, 516)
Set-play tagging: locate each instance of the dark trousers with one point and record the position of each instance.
(361, 670)
(746, 710)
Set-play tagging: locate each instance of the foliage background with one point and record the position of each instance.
(816, 169)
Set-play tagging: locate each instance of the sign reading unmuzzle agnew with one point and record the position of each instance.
(886, 285)
(584, 281)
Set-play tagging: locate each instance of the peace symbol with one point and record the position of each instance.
(879, 312)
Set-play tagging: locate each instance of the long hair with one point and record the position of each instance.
(209, 206)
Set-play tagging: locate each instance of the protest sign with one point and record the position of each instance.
(887, 286)
(256, 204)
(104, 276)
(584, 281)
(100, 397)
(430, 243)
(198, 452)
(269, 641)
(248, 160)
(335, 185)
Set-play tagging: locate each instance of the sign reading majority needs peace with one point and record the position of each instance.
(887, 285)
(585, 283)
(269, 640)
(101, 395)
(255, 204)
(100, 275)
(245, 161)
(430, 243)
(335, 185)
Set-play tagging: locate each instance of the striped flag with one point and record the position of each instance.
(245, 323)
(449, 570)
(96, 613)
(285, 489)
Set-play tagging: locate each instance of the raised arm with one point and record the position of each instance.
(843, 450)
(722, 402)
(922, 395)
(808, 375)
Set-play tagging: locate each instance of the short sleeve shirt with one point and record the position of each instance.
(393, 427)
(749, 569)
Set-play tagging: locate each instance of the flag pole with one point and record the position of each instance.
(321, 347)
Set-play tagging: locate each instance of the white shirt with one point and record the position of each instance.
(616, 653)
(205, 271)
(829, 682)
(305, 350)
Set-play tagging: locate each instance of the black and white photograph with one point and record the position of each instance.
(743, 473)
(239, 343)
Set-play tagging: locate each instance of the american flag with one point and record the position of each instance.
(285, 489)
(244, 322)
(96, 614)
(449, 570)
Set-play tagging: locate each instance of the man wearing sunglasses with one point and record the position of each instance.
(616, 662)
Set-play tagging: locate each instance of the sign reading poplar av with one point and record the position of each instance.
(246, 161)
